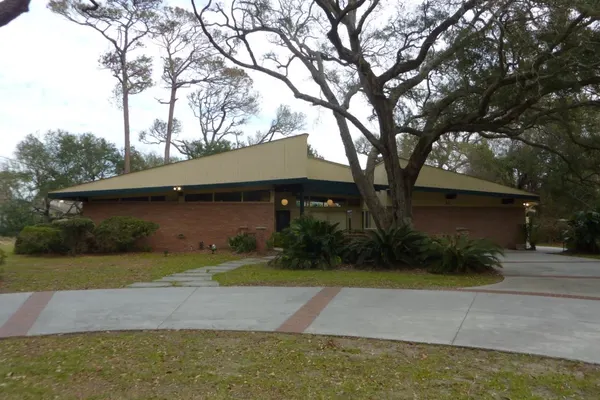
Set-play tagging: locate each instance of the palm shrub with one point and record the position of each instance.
(459, 254)
(386, 248)
(583, 234)
(77, 233)
(117, 234)
(309, 243)
(242, 243)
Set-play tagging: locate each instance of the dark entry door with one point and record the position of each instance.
(282, 219)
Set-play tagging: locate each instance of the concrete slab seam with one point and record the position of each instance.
(552, 276)
(23, 319)
(177, 308)
(463, 320)
(519, 293)
(307, 313)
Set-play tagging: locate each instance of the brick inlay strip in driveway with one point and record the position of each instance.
(24, 318)
(306, 314)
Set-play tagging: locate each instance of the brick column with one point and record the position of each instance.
(261, 240)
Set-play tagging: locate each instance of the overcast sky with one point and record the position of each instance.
(50, 79)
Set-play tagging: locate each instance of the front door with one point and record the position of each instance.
(282, 219)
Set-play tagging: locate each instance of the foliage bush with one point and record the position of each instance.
(77, 233)
(459, 254)
(40, 240)
(120, 234)
(242, 243)
(584, 232)
(309, 243)
(3, 257)
(387, 248)
(276, 240)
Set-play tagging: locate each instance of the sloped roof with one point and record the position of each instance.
(276, 160)
(283, 160)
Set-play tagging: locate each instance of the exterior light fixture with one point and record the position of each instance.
(526, 204)
(177, 188)
(284, 202)
(330, 203)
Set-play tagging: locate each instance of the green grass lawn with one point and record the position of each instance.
(26, 273)
(224, 365)
(263, 275)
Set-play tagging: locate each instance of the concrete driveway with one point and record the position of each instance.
(544, 271)
(557, 327)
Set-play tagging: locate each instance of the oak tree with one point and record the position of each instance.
(431, 68)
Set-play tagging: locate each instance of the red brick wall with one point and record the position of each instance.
(207, 222)
(498, 224)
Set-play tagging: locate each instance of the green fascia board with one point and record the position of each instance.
(477, 193)
(310, 185)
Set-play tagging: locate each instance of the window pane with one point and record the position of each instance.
(158, 198)
(258, 195)
(198, 197)
(228, 196)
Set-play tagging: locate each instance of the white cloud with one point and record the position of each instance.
(50, 79)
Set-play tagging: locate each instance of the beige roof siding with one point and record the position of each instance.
(279, 159)
(328, 171)
(437, 178)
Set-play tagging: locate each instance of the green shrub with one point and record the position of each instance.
(242, 243)
(77, 233)
(119, 234)
(458, 254)
(309, 243)
(583, 235)
(396, 246)
(276, 240)
(39, 240)
(3, 257)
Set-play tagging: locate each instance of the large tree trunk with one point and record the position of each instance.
(126, 128)
(172, 101)
(11, 9)
(364, 181)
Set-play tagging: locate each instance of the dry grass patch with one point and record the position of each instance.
(28, 273)
(264, 275)
(220, 365)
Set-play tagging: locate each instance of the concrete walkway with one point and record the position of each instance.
(558, 327)
(544, 272)
(199, 277)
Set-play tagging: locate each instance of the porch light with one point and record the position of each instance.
(526, 204)
(177, 188)
(284, 202)
(330, 203)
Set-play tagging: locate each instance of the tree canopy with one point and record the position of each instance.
(428, 69)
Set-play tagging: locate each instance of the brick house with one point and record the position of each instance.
(262, 188)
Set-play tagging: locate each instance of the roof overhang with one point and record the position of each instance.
(532, 197)
(308, 185)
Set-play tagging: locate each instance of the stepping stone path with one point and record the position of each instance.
(199, 277)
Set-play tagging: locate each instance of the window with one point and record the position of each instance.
(110, 200)
(228, 196)
(199, 197)
(366, 220)
(142, 198)
(158, 198)
(508, 201)
(451, 196)
(258, 195)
